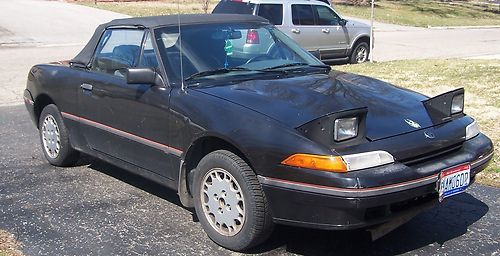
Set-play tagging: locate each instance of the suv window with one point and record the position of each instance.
(302, 14)
(272, 12)
(326, 16)
(228, 6)
(117, 49)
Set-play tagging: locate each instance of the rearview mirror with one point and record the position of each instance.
(342, 22)
(143, 76)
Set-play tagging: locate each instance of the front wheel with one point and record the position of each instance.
(230, 203)
(54, 138)
(360, 53)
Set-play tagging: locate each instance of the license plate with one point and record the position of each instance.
(453, 181)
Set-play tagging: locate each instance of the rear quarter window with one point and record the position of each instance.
(272, 12)
(302, 14)
(234, 7)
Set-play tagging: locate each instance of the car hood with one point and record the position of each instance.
(295, 101)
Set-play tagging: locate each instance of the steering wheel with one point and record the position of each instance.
(259, 57)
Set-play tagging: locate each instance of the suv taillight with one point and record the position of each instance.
(252, 36)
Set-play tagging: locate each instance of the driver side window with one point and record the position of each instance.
(117, 50)
(326, 16)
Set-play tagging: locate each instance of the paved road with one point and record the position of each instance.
(99, 209)
(394, 42)
(33, 32)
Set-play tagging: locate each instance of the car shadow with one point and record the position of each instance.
(444, 222)
(132, 179)
(435, 226)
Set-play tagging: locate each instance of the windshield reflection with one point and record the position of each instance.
(214, 51)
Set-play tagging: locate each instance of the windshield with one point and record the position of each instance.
(228, 51)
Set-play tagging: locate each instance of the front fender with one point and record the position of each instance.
(264, 141)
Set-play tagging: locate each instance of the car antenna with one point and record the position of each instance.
(183, 88)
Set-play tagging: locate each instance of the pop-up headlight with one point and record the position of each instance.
(345, 128)
(457, 104)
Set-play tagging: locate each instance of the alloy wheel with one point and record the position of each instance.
(51, 137)
(222, 202)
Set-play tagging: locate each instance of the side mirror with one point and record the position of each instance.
(342, 22)
(143, 76)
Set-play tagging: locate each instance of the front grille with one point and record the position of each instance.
(431, 155)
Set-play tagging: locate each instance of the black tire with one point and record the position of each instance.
(66, 155)
(360, 46)
(257, 223)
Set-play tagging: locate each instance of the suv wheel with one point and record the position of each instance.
(54, 138)
(229, 202)
(360, 53)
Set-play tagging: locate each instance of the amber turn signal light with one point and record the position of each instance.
(317, 162)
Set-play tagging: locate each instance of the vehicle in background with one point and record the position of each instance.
(315, 25)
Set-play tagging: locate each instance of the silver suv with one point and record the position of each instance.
(313, 24)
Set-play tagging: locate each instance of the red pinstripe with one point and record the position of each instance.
(131, 136)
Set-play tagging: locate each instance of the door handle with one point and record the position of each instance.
(295, 30)
(325, 30)
(86, 87)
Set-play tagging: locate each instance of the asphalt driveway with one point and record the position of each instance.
(98, 209)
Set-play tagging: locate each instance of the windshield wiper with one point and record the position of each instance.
(227, 70)
(296, 64)
(215, 72)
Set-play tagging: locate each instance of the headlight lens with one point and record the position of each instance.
(317, 162)
(457, 104)
(345, 128)
(472, 130)
(340, 164)
(367, 160)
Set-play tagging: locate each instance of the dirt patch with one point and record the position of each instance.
(9, 246)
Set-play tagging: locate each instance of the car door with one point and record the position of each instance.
(126, 121)
(333, 37)
(303, 29)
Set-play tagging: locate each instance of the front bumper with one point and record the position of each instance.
(325, 207)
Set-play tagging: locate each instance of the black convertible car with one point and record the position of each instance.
(252, 130)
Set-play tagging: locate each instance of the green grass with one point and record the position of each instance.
(423, 13)
(151, 8)
(432, 77)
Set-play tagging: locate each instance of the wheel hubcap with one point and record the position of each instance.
(50, 136)
(361, 55)
(222, 202)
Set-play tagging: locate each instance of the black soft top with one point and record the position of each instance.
(160, 21)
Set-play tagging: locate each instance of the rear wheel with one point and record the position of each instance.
(54, 138)
(230, 203)
(360, 53)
